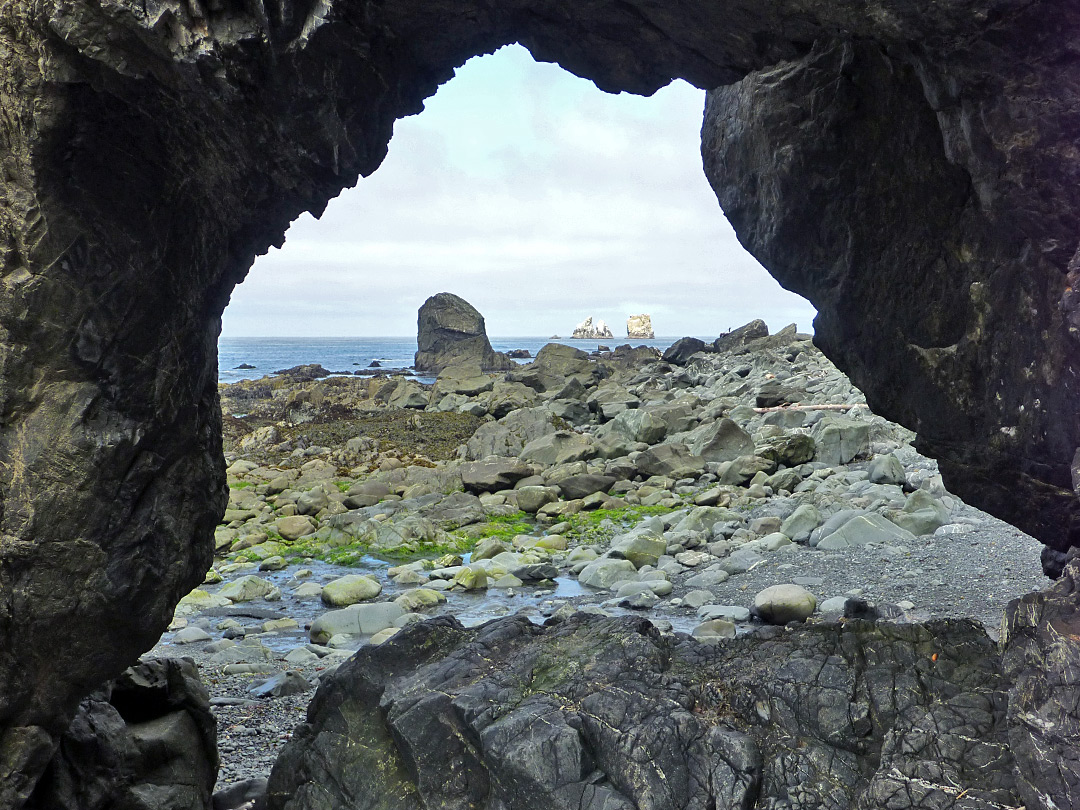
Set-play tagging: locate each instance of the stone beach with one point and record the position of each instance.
(714, 491)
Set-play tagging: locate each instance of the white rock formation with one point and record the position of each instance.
(639, 326)
(586, 330)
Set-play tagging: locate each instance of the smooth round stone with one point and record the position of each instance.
(415, 600)
(275, 563)
(349, 590)
(409, 618)
(218, 646)
(834, 606)
(714, 630)
(294, 527)
(384, 635)
(735, 613)
(582, 554)
(276, 625)
(308, 590)
(212, 577)
(780, 604)
(247, 589)
(471, 578)
(191, 635)
(301, 657)
(507, 581)
(695, 599)
(410, 577)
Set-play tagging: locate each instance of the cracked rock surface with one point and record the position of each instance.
(607, 713)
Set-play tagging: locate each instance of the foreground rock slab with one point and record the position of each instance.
(607, 713)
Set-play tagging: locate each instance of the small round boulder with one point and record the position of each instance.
(780, 604)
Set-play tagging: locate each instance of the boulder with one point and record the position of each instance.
(863, 529)
(638, 425)
(838, 440)
(355, 620)
(246, 589)
(560, 447)
(639, 547)
(349, 590)
(886, 469)
(780, 604)
(493, 475)
(508, 435)
(530, 499)
(682, 350)
(738, 338)
(449, 331)
(671, 460)
(585, 484)
(602, 573)
(722, 440)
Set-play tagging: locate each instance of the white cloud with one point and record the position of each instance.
(535, 197)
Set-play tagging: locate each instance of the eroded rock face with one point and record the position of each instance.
(606, 713)
(941, 263)
(450, 331)
(922, 196)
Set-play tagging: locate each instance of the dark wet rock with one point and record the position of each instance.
(374, 364)
(309, 371)
(606, 713)
(737, 338)
(682, 350)
(148, 741)
(672, 460)
(557, 365)
(449, 331)
(1041, 639)
(519, 354)
(243, 795)
(245, 366)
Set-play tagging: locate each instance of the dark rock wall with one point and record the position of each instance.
(151, 149)
(925, 200)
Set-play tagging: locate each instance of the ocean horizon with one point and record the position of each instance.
(347, 355)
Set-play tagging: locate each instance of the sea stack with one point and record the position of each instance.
(587, 330)
(639, 326)
(450, 332)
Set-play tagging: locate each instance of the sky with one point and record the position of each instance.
(538, 199)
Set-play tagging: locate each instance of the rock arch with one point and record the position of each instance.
(910, 168)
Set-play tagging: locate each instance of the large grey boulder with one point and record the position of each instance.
(863, 529)
(508, 435)
(721, 440)
(450, 331)
(672, 460)
(839, 439)
(560, 447)
(493, 474)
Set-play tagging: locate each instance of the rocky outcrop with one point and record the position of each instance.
(587, 330)
(927, 173)
(450, 332)
(640, 327)
(594, 712)
(906, 166)
(146, 741)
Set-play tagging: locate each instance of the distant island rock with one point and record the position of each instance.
(449, 332)
(587, 330)
(245, 366)
(639, 326)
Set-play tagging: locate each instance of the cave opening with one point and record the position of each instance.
(535, 196)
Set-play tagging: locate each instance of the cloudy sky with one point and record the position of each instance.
(538, 199)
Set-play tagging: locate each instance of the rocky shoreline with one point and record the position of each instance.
(682, 490)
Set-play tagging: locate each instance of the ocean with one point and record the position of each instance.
(346, 355)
